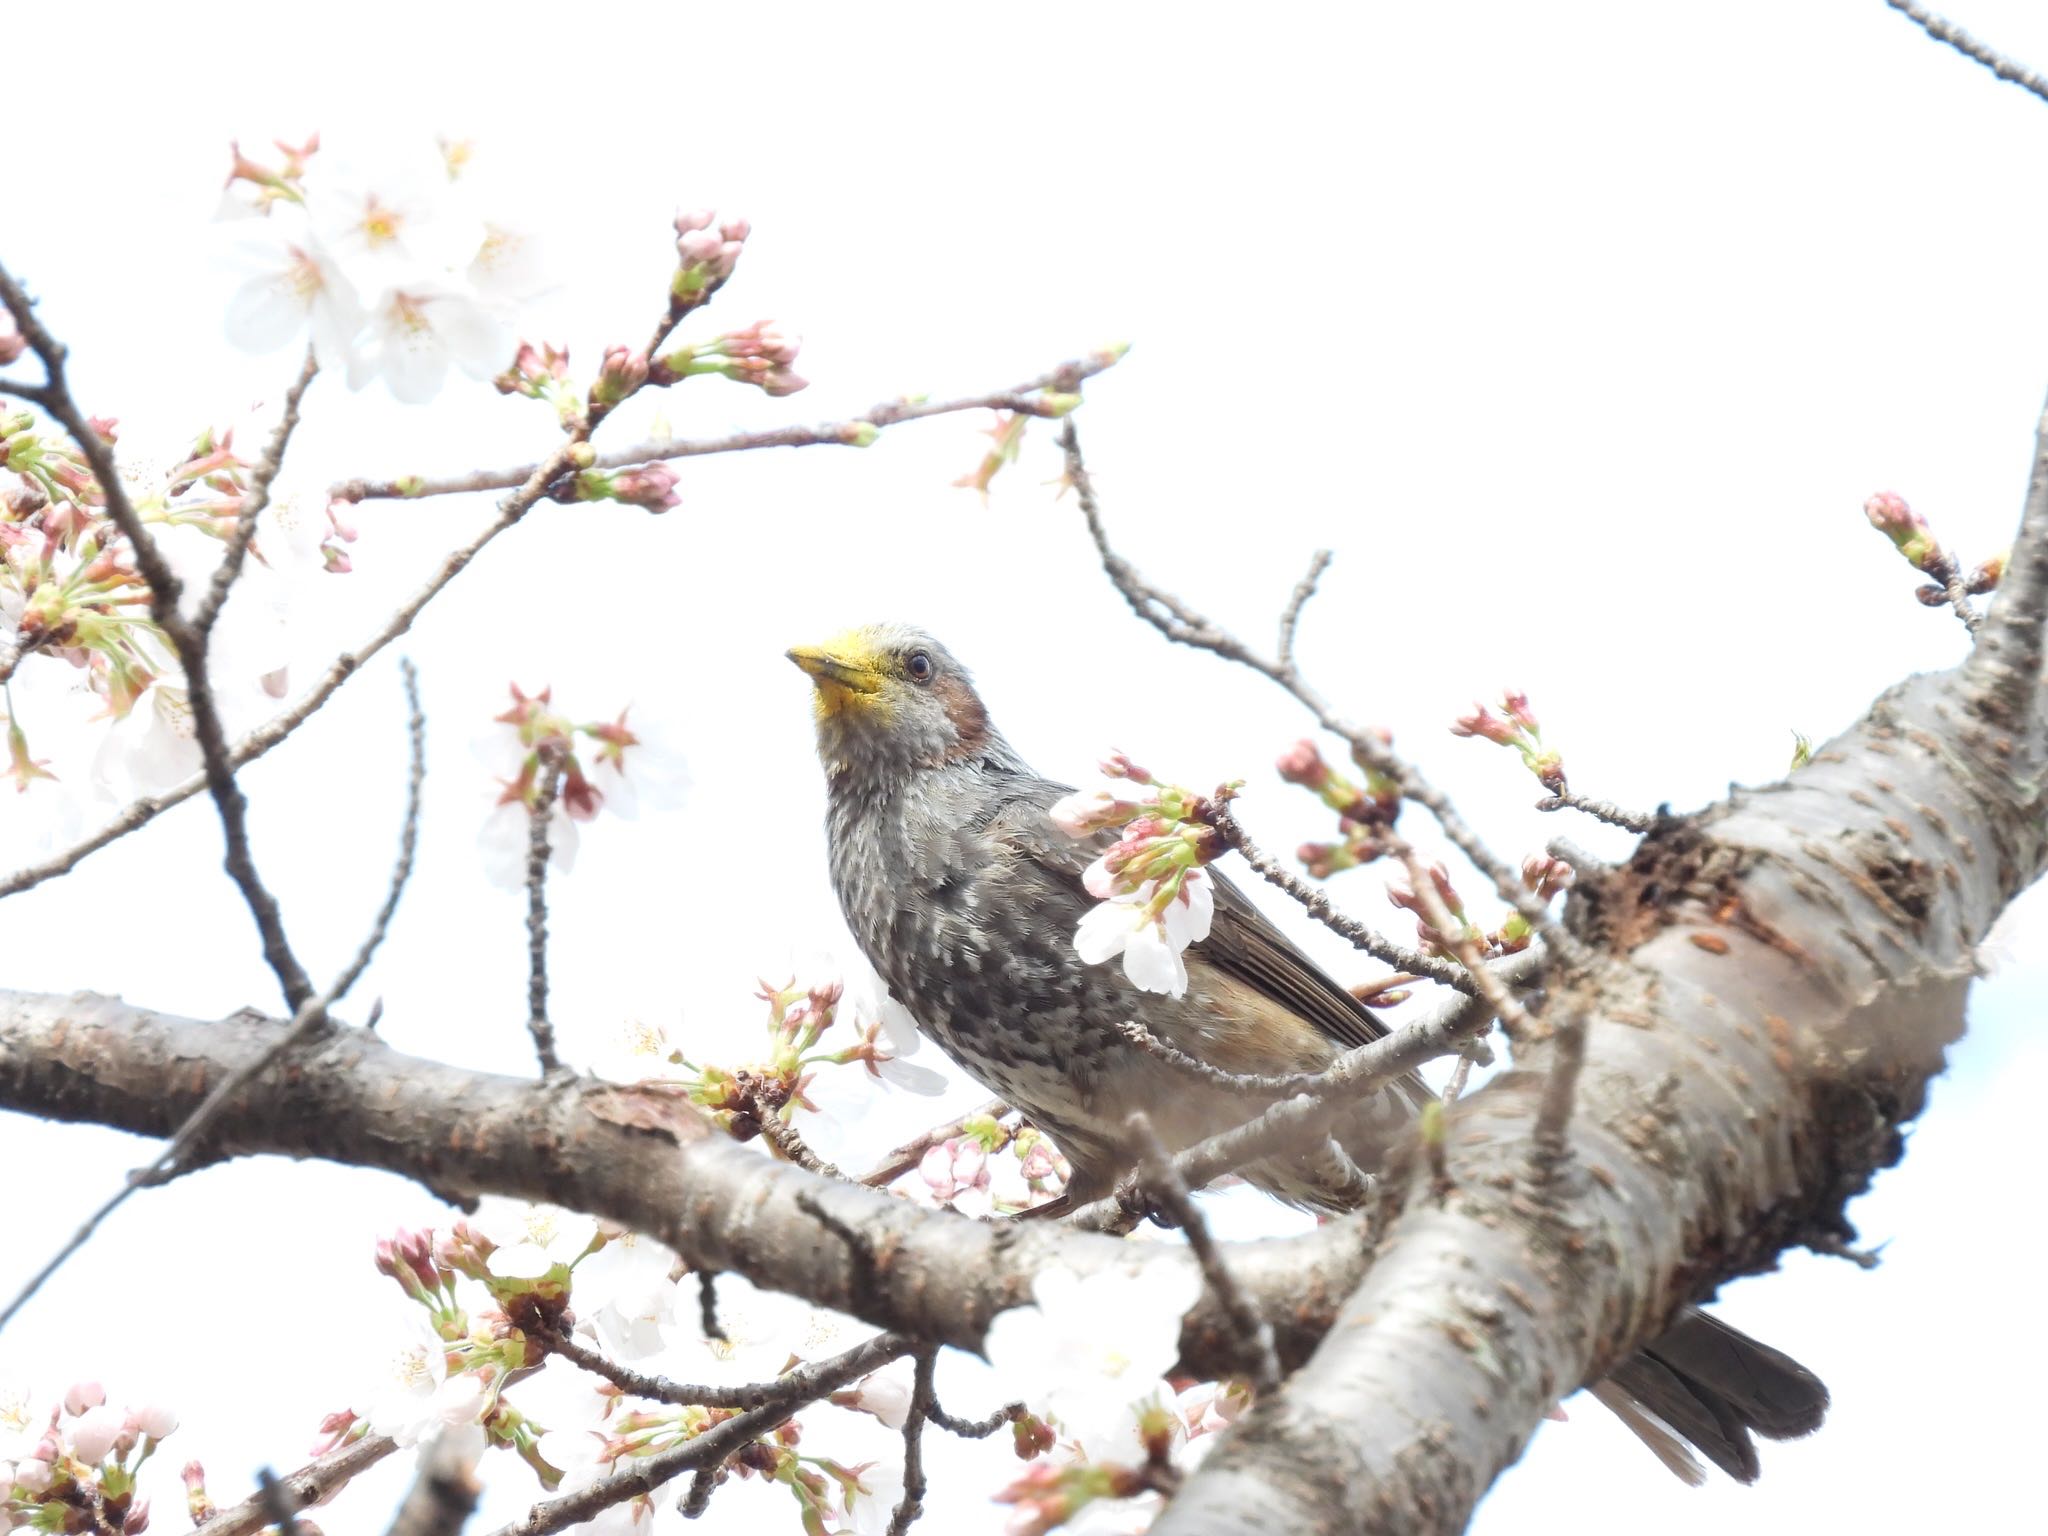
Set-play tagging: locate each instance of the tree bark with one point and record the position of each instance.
(1784, 973)
(644, 1158)
(1781, 974)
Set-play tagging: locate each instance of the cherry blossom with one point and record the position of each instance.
(531, 1239)
(1149, 929)
(416, 333)
(290, 287)
(1094, 1349)
(388, 214)
(412, 1395)
(24, 1420)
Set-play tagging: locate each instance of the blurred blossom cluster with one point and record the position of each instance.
(71, 1464)
(599, 765)
(95, 706)
(393, 260)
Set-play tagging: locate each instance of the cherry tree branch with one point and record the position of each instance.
(1785, 1002)
(189, 637)
(1945, 31)
(853, 432)
(1316, 901)
(526, 492)
(632, 1155)
(2002, 678)
(311, 1018)
(537, 815)
(319, 1479)
(445, 1488)
(911, 1153)
(643, 1474)
(1184, 625)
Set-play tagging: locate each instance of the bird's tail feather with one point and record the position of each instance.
(1713, 1387)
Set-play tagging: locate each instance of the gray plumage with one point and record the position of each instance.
(965, 897)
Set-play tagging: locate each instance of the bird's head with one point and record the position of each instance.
(889, 699)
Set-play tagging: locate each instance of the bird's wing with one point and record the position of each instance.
(1241, 941)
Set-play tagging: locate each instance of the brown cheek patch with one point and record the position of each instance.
(970, 720)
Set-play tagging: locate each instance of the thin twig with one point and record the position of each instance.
(1296, 1122)
(1218, 1077)
(975, 1429)
(707, 1307)
(1290, 616)
(187, 638)
(14, 651)
(309, 1020)
(856, 431)
(1167, 1190)
(2004, 670)
(408, 833)
(527, 492)
(789, 1141)
(319, 1479)
(644, 1474)
(660, 1388)
(1945, 31)
(537, 813)
(1599, 810)
(259, 741)
(1316, 901)
(1183, 625)
(255, 499)
(911, 1505)
(911, 1153)
(1548, 1149)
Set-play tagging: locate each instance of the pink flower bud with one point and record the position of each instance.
(736, 230)
(12, 344)
(95, 1432)
(1303, 764)
(695, 219)
(156, 1420)
(1516, 704)
(136, 1521)
(648, 485)
(1481, 721)
(697, 246)
(1889, 514)
(84, 1395)
(33, 1474)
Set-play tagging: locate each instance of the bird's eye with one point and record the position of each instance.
(919, 666)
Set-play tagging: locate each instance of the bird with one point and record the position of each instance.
(965, 896)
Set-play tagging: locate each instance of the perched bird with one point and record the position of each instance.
(965, 897)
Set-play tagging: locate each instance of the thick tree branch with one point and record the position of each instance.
(1796, 964)
(629, 1153)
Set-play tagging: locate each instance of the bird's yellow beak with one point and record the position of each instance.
(830, 670)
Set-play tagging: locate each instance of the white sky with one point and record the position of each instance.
(1580, 334)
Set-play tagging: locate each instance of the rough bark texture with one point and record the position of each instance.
(643, 1158)
(1787, 969)
(1780, 977)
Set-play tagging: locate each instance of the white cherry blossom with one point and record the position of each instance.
(1151, 946)
(531, 1239)
(411, 1394)
(417, 332)
(388, 212)
(24, 1419)
(291, 288)
(1096, 1348)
